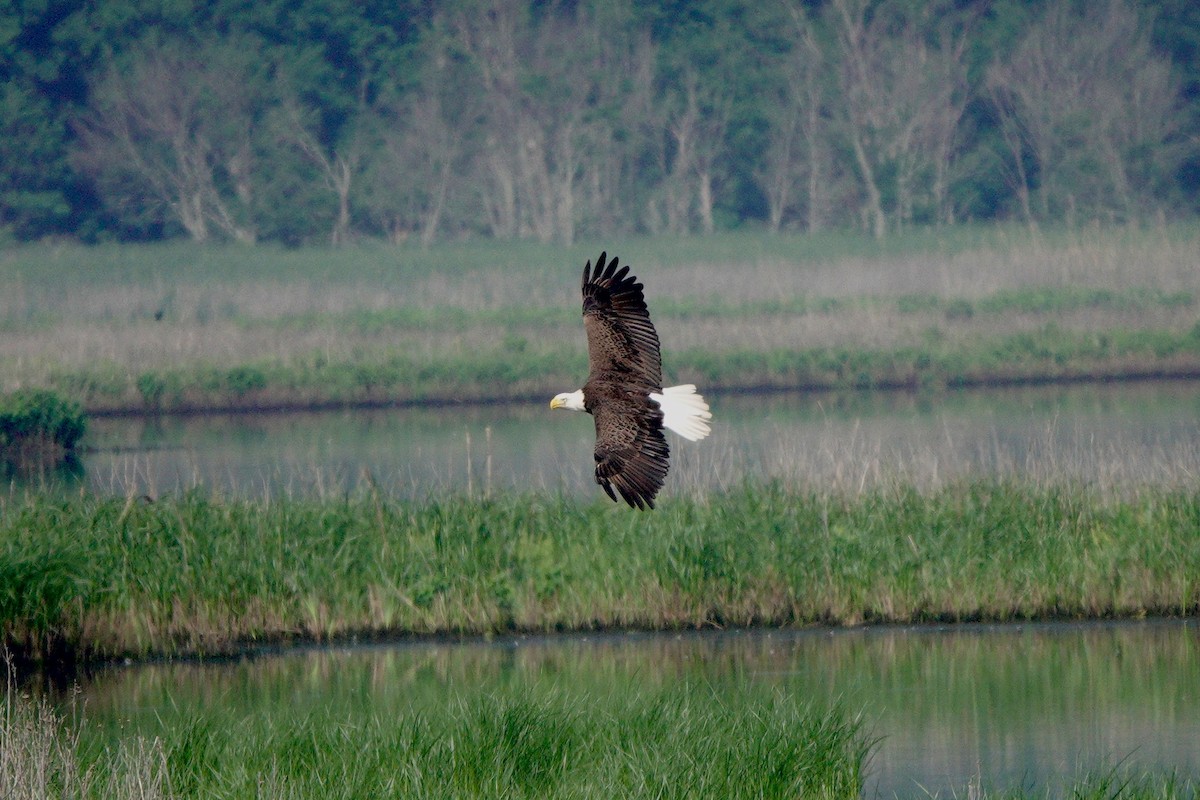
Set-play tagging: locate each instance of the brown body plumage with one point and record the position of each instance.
(624, 393)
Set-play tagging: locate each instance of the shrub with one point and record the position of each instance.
(245, 379)
(39, 428)
(151, 386)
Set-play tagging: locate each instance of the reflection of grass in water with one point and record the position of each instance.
(204, 574)
(612, 734)
(1110, 453)
(1113, 439)
(545, 741)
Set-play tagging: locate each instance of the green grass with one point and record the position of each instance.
(88, 577)
(550, 740)
(619, 737)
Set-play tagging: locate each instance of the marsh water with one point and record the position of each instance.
(952, 709)
(1108, 435)
(1001, 707)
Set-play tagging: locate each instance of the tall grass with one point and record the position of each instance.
(551, 741)
(761, 352)
(88, 577)
(617, 737)
(42, 757)
(173, 326)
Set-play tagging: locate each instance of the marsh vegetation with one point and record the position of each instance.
(95, 578)
(174, 327)
(846, 529)
(741, 714)
(39, 432)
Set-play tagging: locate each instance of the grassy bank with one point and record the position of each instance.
(86, 577)
(175, 327)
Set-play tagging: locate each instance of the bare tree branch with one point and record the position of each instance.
(172, 129)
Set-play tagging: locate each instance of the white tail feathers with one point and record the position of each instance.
(684, 411)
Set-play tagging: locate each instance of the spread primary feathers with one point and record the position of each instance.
(624, 392)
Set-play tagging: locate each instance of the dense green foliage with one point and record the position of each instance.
(94, 577)
(325, 120)
(38, 428)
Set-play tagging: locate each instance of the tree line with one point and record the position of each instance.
(327, 120)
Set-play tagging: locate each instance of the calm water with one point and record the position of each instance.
(1112, 435)
(1005, 707)
(1002, 707)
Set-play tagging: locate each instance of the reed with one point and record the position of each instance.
(616, 738)
(43, 755)
(548, 741)
(173, 327)
(99, 578)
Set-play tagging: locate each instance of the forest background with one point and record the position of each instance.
(330, 120)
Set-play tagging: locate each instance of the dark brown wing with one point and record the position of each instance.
(622, 343)
(631, 452)
(625, 365)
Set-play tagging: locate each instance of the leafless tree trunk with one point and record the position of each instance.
(903, 102)
(499, 193)
(677, 187)
(540, 78)
(858, 85)
(780, 171)
(413, 167)
(1094, 105)
(566, 174)
(814, 136)
(613, 186)
(1015, 174)
(422, 168)
(171, 130)
(793, 172)
(710, 142)
(810, 64)
(337, 167)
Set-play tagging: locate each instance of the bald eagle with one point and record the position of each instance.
(624, 391)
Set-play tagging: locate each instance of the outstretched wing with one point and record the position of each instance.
(631, 451)
(622, 343)
(625, 365)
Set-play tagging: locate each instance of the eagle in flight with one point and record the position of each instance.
(624, 391)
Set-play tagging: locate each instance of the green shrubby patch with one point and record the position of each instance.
(39, 429)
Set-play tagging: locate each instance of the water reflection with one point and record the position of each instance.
(1002, 707)
(1110, 435)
